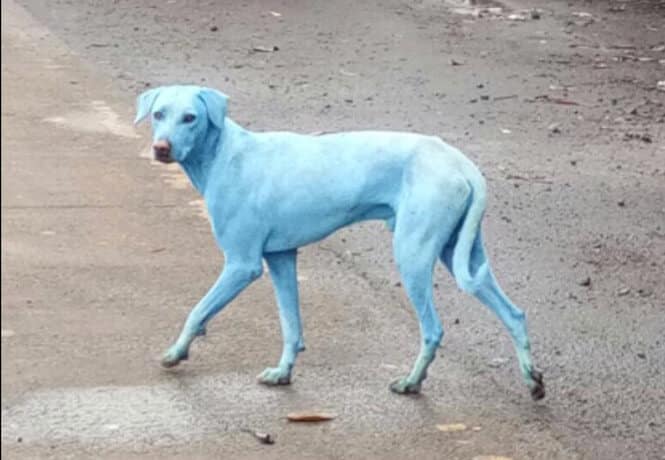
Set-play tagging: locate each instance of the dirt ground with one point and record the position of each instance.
(105, 252)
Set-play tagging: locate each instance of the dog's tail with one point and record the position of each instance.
(468, 239)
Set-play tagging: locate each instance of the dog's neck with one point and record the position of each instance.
(199, 164)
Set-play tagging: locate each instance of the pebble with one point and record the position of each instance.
(645, 292)
(585, 281)
(497, 362)
(623, 291)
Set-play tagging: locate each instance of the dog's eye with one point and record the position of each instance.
(158, 115)
(189, 118)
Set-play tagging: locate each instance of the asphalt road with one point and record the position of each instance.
(105, 252)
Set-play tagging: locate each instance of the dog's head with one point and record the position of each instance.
(182, 117)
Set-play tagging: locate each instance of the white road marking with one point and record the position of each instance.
(99, 119)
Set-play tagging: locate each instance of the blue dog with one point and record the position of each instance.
(268, 194)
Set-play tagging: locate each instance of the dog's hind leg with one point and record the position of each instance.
(486, 289)
(416, 265)
(282, 267)
(420, 232)
(237, 274)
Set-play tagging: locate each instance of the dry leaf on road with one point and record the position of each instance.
(310, 416)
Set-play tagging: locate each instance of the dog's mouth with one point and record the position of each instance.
(164, 157)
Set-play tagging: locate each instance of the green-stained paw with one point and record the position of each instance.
(274, 376)
(405, 386)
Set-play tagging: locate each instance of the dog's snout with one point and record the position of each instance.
(162, 151)
(162, 147)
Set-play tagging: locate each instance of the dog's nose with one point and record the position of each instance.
(162, 150)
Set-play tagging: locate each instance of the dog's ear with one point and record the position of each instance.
(144, 104)
(215, 102)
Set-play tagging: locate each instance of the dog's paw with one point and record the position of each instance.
(274, 376)
(538, 388)
(405, 387)
(172, 358)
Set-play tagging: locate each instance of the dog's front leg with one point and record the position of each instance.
(234, 278)
(282, 267)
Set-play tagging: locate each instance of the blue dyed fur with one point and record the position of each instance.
(268, 194)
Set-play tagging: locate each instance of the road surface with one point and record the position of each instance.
(104, 252)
